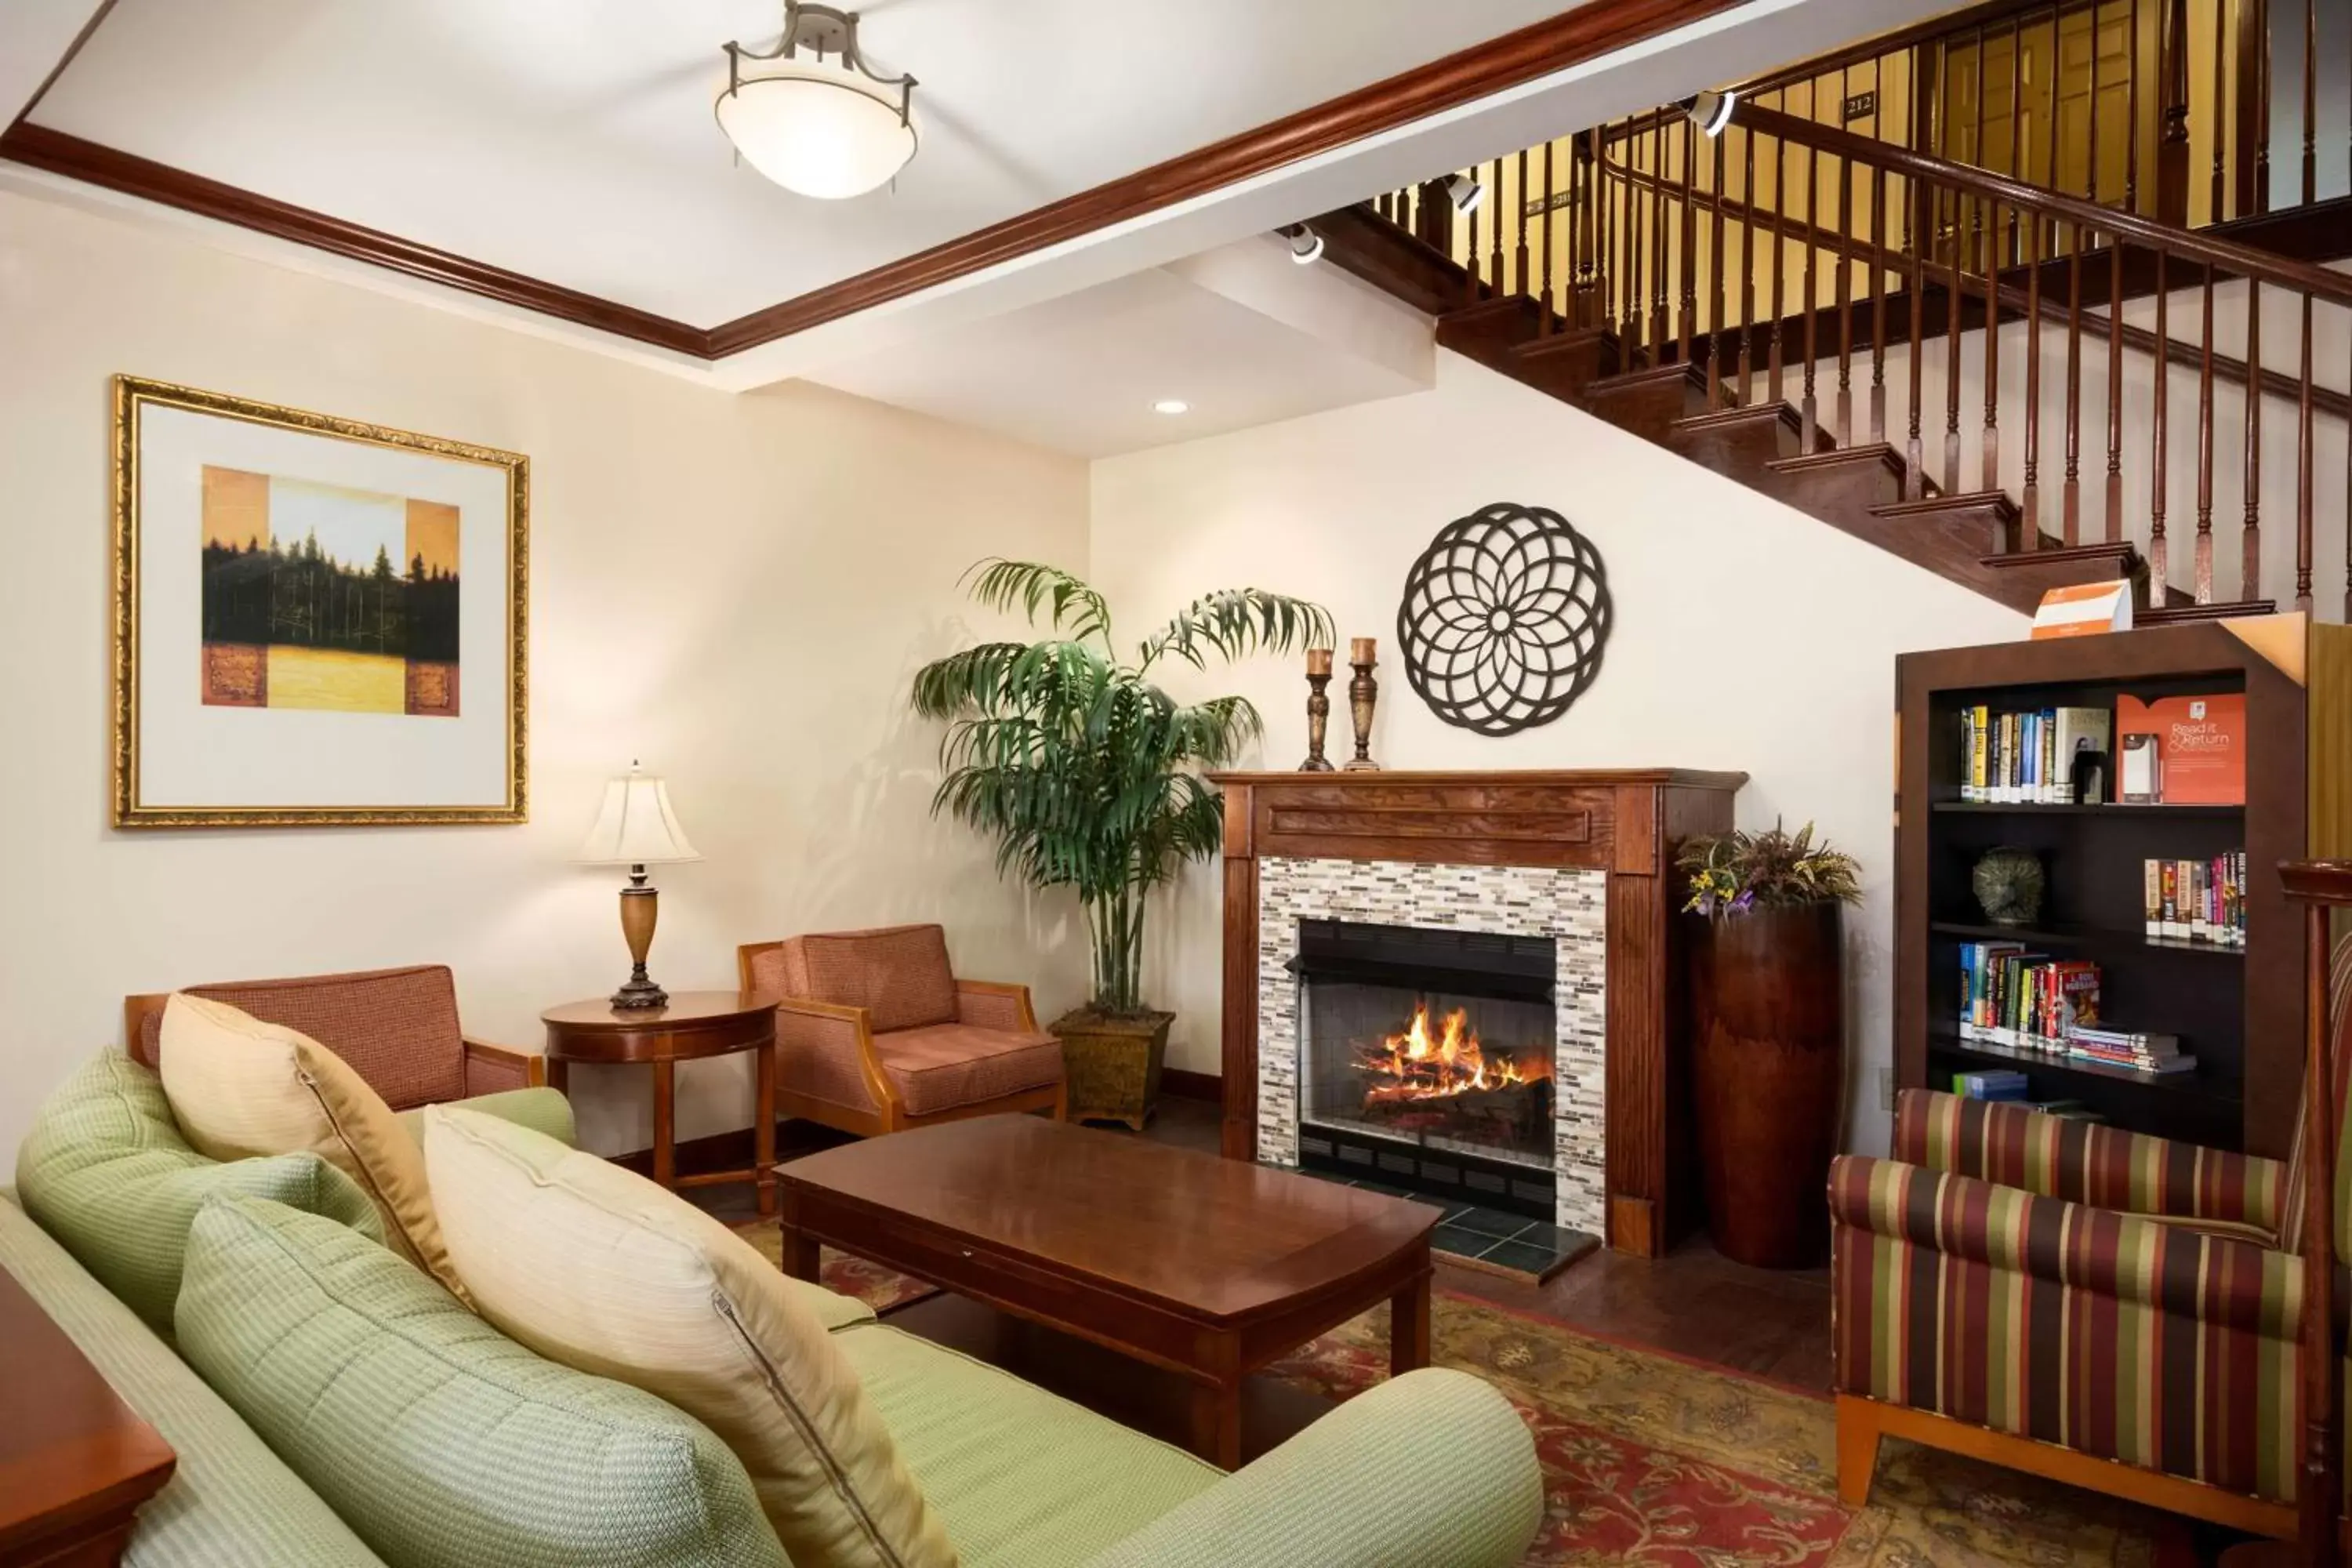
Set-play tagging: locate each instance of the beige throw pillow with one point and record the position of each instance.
(596, 1268)
(240, 1087)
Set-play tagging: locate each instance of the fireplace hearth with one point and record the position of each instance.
(1426, 1060)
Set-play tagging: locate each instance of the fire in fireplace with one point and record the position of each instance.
(1425, 1060)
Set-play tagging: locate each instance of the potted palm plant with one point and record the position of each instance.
(1086, 774)
(1768, 1065)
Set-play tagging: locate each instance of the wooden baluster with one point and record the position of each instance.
(1580, 229)
(1470, 260)
(1780, 202)
(1661, 259)
(1604, 259)
(2262, 44)
(1992, 360)
(2092, 177)
(1879, 305)
(2116, 388)
(1954, 304)
(1845, 304)
(2203, 587)
(1748, 267)
(2016, 117)
(1915, 475)
(2030, 534)
(1526, 274)
(2071, 497)
(1715, 292)
(2050, 168)
(1810, 410)
(2158, 567)
(2221, 107)
(1690, 244)
(2303, 462)
(1549, 318)
(2131, 114)
(1496, 275)
(2172, 139)
(2250, 571)
(2310, 109)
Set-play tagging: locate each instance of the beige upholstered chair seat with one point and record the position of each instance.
(942, 1066)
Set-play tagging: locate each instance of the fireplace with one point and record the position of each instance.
(1426, 1059)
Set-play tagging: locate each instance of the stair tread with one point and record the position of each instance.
(1868, 452)
(2213, 610)
(1560, 341)
(2065, 555)
(1997, 500)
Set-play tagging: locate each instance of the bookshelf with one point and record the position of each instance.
(2238, 1009)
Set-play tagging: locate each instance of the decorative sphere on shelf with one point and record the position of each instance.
(2008, 882)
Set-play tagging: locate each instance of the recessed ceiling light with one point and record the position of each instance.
(1172, 406)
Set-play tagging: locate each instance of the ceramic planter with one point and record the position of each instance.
(1767, 1069)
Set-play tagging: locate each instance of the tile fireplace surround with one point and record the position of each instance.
(1585, 858)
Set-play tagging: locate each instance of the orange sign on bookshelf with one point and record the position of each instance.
(2200, 745)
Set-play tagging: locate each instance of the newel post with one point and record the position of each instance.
(2172, 141)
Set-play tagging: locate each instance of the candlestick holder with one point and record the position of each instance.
(1319, 710)
(1363, 693)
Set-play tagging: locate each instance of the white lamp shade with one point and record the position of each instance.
(817, 130)
(636, 825)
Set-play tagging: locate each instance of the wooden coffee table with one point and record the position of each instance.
(1209, 1268)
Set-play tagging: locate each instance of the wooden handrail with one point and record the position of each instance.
(2219, 255)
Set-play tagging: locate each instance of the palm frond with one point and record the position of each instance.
(1235, 622)
(1070, 605)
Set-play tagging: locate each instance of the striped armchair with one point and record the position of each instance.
(2113, 1311)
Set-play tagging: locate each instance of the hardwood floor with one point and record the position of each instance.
(1693, 1303)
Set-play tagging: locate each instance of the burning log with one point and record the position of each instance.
(1445, 1077)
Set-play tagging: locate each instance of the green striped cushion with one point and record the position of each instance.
(1022, 1479)
(438, 1439)
(230, 1503)
(106, 1172)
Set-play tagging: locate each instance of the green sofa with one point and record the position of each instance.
(1020, 1478)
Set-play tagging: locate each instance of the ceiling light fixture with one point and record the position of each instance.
(816, 121)
(1172, 406)
(1465, 193)
(1710, 111)
(1306, 245)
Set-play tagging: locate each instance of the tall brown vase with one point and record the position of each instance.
(1768, 1059)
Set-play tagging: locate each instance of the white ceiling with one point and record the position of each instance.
(1241, 334)
(573, 140)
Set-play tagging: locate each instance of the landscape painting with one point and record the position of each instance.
(319, 596)
(317, 621)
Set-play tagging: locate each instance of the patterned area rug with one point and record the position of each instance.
(1651, 1459)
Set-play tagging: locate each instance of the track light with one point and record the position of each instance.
(1710, 111)
(1306, 245)
(1465, 193)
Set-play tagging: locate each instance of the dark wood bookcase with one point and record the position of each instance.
(2238, 1010)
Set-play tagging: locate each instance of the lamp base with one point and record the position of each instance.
(639, 993)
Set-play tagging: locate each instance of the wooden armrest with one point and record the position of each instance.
(808, 1008)
(530, 1064)
(860, 1021)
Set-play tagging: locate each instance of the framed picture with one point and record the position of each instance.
(316, 621)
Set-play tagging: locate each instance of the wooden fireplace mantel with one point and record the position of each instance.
(1626, 822)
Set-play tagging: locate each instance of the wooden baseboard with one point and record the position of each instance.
(1861, 1422)
(1179, 1084)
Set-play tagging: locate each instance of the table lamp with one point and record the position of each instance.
(636, 829)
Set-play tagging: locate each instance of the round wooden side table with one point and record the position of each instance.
(695, 1025)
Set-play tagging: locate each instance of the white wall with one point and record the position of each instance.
(1747, 635)
(734, 588)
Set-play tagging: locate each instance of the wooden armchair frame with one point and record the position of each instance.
(137, 1009)
(893, 1115)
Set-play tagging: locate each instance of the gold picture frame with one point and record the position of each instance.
(136, 397)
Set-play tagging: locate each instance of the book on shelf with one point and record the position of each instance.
(2183, 750)
(2157, 1054)
(2027, 758)
(2196, 900)
(1992, 1083)
(2022, 1000)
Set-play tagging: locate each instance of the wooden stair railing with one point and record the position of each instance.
(1634, 291)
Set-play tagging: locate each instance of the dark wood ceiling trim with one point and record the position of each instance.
(1590, 30)
(38, 147)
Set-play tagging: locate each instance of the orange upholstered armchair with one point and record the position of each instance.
(874, 1033)
(397, 1026)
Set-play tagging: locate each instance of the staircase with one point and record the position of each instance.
(1762, 328)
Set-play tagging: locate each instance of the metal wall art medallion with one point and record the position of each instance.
(1503, 619)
